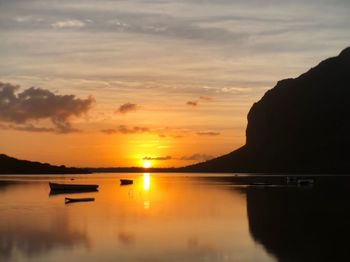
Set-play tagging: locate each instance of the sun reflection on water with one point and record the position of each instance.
(146, 188)
(146, 181)
(146, 204)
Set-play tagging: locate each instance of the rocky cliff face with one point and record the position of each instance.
(301, 125)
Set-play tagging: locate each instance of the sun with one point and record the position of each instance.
(146, 164)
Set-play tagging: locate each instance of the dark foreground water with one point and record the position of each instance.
(173, 217)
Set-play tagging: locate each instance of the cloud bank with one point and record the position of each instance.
(122, 129)
(21, 109)
(159, 158)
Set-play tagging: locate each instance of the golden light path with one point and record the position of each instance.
(146, 188)
(146, 181)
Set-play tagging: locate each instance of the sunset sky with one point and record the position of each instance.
(115, 83)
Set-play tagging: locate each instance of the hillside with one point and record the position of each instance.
(10, 165)
(299, 126)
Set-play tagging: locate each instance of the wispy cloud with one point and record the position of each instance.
(68, 24)
(27, 127)
(208, 133)
(201, 98)
(34, 104)
(206, 98)
(122, 129)
(192, 103)
(197, 157)
(160, 132)
(159, 158)
(127, 107)
(194, 157)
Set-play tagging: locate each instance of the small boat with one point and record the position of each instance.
(292, 180)
(305, 182)
(126, 182)
(68, 200)
(72, 187)
(260, 184)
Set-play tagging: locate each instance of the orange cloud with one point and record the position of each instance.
(157, 158)
(192, 103)
(208, 133)
(122, 129)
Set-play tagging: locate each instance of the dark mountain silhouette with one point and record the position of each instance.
(301, 125)
(10, 165)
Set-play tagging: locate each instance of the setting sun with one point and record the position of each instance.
(146, 164)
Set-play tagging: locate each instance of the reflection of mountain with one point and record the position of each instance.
(4, 185)
(301, 224)
(10, 165)
(301, 125)
(25, 236)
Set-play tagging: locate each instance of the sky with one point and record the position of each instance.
(115, 83)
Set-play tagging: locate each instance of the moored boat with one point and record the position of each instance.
(73, 200)
(305, 182)
(260, 184)
(72, 187)
(291, 180)
(126, 182)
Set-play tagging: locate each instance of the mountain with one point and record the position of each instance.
(300, 126)
(10, 165)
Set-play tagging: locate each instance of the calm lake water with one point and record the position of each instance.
(171, 217)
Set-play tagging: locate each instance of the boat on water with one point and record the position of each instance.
(260, 184)
(305, 182)
(68, 200)
(291, 180)
(126, 182)
(72, 187)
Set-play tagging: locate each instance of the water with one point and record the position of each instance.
(172, 217)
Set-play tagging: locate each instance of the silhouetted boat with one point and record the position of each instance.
(292, 180)
(70, 192)
(126, 182)
(305, 182)
(72, 187)
(73, 200)
(260, 184)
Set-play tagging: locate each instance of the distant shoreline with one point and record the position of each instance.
(185, 170)
(121, 170)
(263, 181)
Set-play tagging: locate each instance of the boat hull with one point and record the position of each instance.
(126, 182)
(68, 200)
(72, 187)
